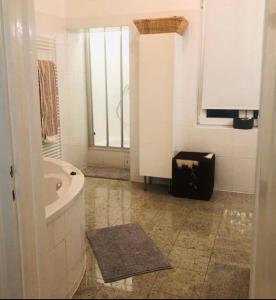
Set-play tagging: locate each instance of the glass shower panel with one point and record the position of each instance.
(109, 59)
(126, 96)
(113, 72)
(97, 46)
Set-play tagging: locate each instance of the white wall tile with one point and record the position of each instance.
(245, 143)
(73, 247)
(108, 158)
(59, 229)
(51, 237)
(75, 272)
(72, 217)
(57, 260)
(224, 173)
(244, 179)
(114, 159)
(95, 158)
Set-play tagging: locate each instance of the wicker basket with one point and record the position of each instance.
(162, 25)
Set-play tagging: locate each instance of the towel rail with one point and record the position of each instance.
(47, 50)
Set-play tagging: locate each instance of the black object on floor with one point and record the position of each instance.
(193, 175)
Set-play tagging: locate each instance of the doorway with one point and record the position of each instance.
(108, 87)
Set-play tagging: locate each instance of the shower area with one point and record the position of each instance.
(108, 95)
(107, 59)
(93, 98)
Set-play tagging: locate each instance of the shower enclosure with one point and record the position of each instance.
(108, 86)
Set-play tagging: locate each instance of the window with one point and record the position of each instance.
(108, 58)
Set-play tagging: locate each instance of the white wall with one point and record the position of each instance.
(235, 150)
(51, 21)
(102, 8)
(50, 16)
(74, 101)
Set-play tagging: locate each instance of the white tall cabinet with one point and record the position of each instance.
(160, 73)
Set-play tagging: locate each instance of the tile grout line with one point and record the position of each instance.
(211, 254)
(173, 244)
(151, 290)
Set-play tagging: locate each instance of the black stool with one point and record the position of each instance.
(193, 175)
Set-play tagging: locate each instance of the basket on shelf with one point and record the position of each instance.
(162, 25)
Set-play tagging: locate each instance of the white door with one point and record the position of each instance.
(10, 271)
(264, 269)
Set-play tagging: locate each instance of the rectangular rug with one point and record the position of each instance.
(125, 251)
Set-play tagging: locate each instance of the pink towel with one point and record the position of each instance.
(48, 98)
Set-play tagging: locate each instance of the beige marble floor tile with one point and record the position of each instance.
(196, 243)
(240, 202)
(226, 282)
(116, 293)
(162, 295)
(173, 203)
(180, 282)
(209, 209)
(137, 283)
(198, 232)
(223, 244)
(193, 234)
(190, 259)
(236, 225)
(232, 257)
(164, 237)
(86, 294)
(89, 285)
(221, 197)
(173, 218)
(202, 225)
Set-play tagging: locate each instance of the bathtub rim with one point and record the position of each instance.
(62, 204)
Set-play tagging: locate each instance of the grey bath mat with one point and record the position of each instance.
(107, 173)
(125, 251)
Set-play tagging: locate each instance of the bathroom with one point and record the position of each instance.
(107, 130)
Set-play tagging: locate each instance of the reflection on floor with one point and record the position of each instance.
(208, 243)
(107, 173)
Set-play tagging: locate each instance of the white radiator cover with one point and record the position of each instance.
(160, 97)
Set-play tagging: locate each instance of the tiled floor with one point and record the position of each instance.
(208, 243)
(107, 173)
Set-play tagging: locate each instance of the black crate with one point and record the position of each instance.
(193, 175)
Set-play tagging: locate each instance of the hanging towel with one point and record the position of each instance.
(48, 99)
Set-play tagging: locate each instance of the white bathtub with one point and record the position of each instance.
(65, 218)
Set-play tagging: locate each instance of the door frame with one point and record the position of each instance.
(10, 260)
(22, 87)
(91, 111)
(263, 273)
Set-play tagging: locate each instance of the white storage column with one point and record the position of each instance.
(159, 66)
